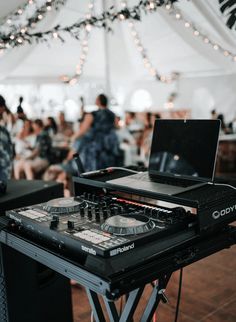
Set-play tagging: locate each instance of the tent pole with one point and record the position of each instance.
(107, 57)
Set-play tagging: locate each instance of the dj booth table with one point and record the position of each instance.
(124, 274)
(131, 280)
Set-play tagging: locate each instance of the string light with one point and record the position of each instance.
(84, 51)
(152, 5)
(178, 15)
(146, 61)
(168, 6)
(12, 29)
(18, 12)
(102, 20)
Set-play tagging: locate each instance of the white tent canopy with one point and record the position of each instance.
(207, 77)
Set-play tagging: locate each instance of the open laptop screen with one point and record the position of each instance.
(184, 147)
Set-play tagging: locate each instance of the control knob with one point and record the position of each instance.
(55, 221)
(71, 224)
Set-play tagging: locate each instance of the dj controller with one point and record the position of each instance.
(100, 225)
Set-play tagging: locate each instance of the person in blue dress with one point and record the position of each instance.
(97, 142)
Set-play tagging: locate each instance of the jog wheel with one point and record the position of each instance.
(64, 205)
(127, 225)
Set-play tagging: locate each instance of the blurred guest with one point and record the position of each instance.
(64, 127)
(99, 145)
(51, 126)
(232, 126)
(82, 113)
(224, 127)
(132, 122)
(146, 139)
(6, 155)
(156, 116)
(19, 109)
(40, 157)
(19, 118)
(127, 143)
(6, 150)
(24, 144)
(214, 114)
(135, 127)
(4, 112)
(2, 106)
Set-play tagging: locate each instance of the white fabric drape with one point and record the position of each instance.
(199, 12)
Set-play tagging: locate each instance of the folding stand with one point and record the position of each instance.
(131, 304)
(111, 288)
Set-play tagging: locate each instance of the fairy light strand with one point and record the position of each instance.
(84, 50)
(103, 20)
(17, 34)
(7, 20)
(151, 5)
(178, 15)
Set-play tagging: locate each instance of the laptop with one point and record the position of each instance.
(182, 158)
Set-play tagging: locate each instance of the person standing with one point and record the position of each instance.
(98, 143)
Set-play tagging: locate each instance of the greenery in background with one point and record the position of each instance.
(103, 20)
(228, 7)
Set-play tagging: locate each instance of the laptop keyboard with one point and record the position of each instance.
(146, 177)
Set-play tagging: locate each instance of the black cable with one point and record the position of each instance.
(179, 294)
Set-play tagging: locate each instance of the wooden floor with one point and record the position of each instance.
(208, 293)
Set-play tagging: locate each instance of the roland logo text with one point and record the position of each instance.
(121, 250)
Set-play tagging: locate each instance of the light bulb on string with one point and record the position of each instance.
(173, 12)
(137, 40)
(84, 50)
(19, 28)
(73, 81)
